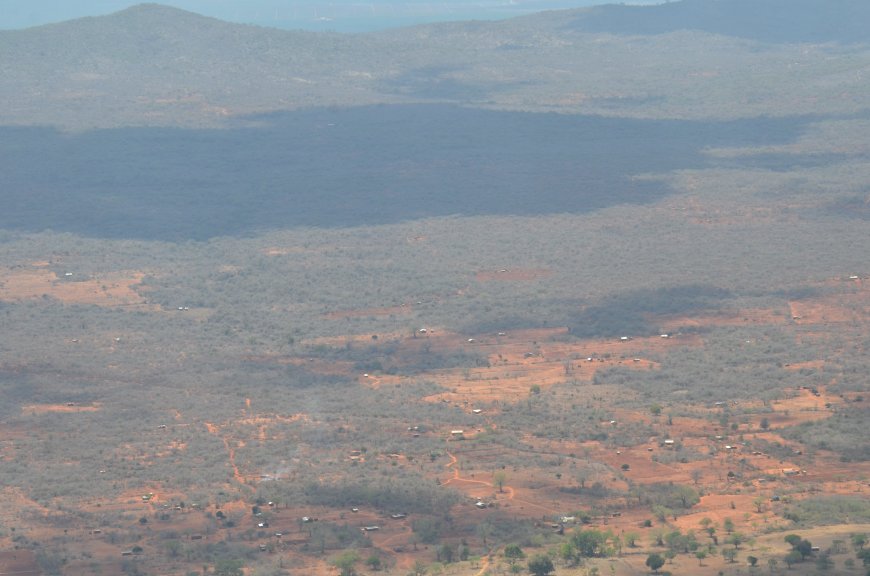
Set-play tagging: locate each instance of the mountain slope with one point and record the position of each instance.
(158, 66)
(844, 21)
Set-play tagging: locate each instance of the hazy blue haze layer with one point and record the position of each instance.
(337, 15)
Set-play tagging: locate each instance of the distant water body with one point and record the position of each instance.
(327, 15)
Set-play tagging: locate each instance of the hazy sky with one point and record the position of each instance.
(342, 15)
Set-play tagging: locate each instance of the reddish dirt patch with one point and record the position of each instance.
(512, 275)
(116, 289)
(831, 309)
(64, 408)
(808, 365)
(746, 317)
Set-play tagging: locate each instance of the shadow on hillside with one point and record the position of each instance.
(347, 167)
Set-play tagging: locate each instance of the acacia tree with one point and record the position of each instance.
(498, 479)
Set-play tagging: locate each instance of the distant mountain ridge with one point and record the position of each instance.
(774, 21)
(156, 65)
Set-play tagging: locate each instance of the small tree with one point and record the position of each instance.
(498, 479)
(805, 548)
(655, 561)
(824, 562)
(513, 552)
(700, 555)
(568, 554)
(759, 504)
(792, 557)
(752, 560)
(228, 568)
(792, 540)
(374, 562)
(445, 553)
(345, 563)
(541, 565)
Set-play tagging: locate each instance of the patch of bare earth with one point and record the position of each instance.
(30, 283)
(60, 408)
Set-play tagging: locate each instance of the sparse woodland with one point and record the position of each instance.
(403, 335)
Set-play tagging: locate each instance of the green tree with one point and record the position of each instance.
(859, 540)
(792, 557)
(824, 562)
(228, 568)
(728, 524)
(700, 555)
(568, 554)
(759, 504)
(752, 560)
(654, 562)
(686, 495)
(792, 540)
(374, 562)
(736, 539)
(805, 547)
(498, 479)
(446, 553)
(590, 543)
(729, 554)
(345, 562)
(513, 552)
(541, 565)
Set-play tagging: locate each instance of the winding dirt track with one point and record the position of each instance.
(505, 489)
